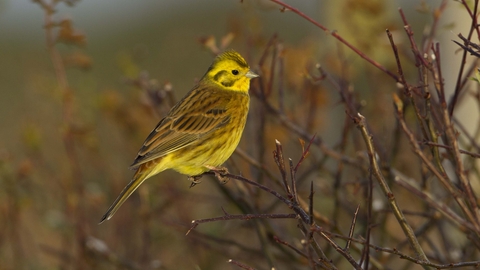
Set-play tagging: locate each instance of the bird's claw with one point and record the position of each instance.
(195, 180)
(220, 173)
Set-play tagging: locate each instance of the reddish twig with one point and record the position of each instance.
(299, 252)
(241, 265)
(338, 37)
(416, 52)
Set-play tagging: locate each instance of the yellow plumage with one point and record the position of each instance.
(201, 131)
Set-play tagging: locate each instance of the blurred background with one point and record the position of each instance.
(64, 157)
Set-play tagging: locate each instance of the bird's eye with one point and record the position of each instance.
(235, 72)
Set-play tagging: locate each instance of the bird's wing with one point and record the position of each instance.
(186, 122)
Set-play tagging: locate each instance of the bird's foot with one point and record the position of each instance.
(220, 173)
(195, 179)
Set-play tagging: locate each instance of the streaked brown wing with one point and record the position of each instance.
(186, 123)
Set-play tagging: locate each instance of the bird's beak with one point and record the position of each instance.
(250, 74)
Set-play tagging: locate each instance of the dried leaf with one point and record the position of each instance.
(68, 35)
(226, 40)
(210, 43)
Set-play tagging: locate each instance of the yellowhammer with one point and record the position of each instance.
(201, 131)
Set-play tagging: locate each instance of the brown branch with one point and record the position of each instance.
(304, 153)
(296, 208)
(241, 265)
(299, 252)
(310, 206)
(306, 136)
(352, 228)
(416, 52)
(228, 216)
(245, 156)
(410, 258)
(452, 140)
(412, 186)
(280, 161)
(293, 178)
(475, 155)
(299, 213)
(443, 178)
(342, 252)
(407, 229)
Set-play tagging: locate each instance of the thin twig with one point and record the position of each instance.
(413, 259)
(228, 216)
(475, 155)
(416, 52)
(352, 228)
(338, 37)
(310, 206)
(434, 203)
(296, 208)
(459, 86)
(443, 178)
(280, 161)
(299, 252)
(342, 252)
(407, 229)
(241, 265)
(293, 179)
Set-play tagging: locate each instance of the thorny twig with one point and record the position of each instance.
(305, 217)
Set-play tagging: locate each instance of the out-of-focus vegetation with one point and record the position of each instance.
(352, 156)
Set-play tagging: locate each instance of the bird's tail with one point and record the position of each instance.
(143, 172)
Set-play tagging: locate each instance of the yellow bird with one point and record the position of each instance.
(201, 131)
